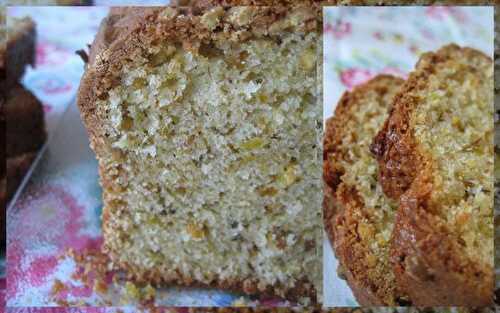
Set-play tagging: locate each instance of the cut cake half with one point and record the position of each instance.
(206, 125)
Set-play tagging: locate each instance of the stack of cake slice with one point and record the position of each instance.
(22, 113)
(421, 220)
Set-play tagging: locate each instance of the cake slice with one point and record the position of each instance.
(206, 123)
(357, 215)
(436, 153)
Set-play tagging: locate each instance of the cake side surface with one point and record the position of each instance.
(207, 146)
(436, 153)
(360, 228)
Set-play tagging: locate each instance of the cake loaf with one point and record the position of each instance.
(435, 153)
(206, 124)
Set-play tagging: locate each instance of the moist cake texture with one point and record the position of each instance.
(436, 153)
(206, 125)
(359, 219)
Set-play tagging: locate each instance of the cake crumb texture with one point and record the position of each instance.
(207, 145)
(358, 216)
(436, 154)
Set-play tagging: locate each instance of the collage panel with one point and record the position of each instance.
(206, 189)
(167, 159)
(251, 310)
(408, 156)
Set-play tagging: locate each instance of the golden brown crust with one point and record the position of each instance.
(342, 204)
(125, 34)
(427, 265)
(427, 259)
(133, 27)
(394, 146)
(157, 277)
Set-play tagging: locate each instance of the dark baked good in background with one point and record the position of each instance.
(25, 127)
(21, 114)
(17, 49)
(25, 134)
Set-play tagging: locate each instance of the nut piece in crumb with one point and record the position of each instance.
(211, 18)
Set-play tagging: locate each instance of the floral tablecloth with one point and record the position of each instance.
(361, 42)
(59, 208)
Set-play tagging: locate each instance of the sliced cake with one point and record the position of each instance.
(358, 217)
(436, 155)
(206, 125)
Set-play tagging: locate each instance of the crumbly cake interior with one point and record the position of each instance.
(375, 215)
(362, 170)
(214, 161)
(454, 128)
